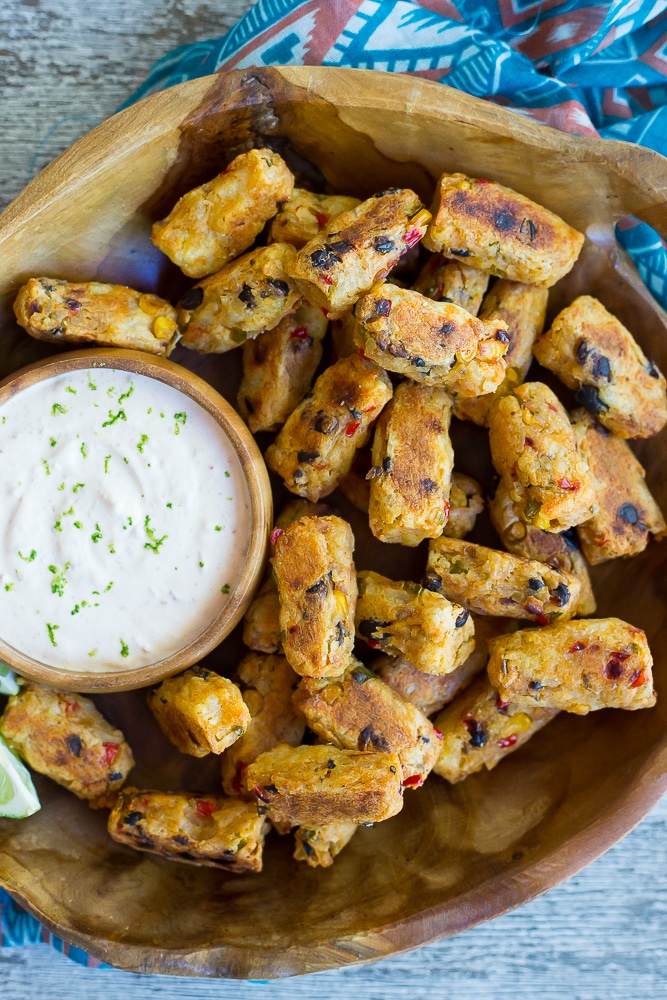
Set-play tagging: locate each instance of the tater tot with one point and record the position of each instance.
(558, 550)
(315, 448)
(317, 588)
(627, 513)
(317, 785)
(413, 458)
(522, 308)
(491, 582)
(452, 281)
(305, 214)
(358, 711)
(318, 846)
(591, 351)
(267, 683)
(465, 503)
(578, 666)
(434, 343)
(479, 729)
(246, 297)
(534, 449)
(199, 711)
(358, 248)
(63, 736)
(278, 368)
(497, 230)
(217, 221)
(185, 826)
(88, 312)
(407, 620)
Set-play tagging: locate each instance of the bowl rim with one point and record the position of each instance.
(261, 508)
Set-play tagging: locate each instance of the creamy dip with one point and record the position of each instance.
(124, 520)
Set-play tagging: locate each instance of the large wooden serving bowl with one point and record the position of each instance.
(456, 855)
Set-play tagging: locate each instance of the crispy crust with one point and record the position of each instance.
(315, 448)
(298, 785)
(319, 846)
(491, 582)
(479, 730)
(497, 230)
(358, 248)
(534, 449)
(358, 711)
(278, 368)
(577, 666)
(434, 343)
(406, 620)
(267, 683)
(627, 513)
(196, 829)
(89, 312)
(217, 221)
(452, 281)
(522, 308)
(591, 351)
(199, 711)
(412, 466)
(246, 297)
(305, 214)
(465, 503)
(558, 550)
(64, 736)
(317, 588)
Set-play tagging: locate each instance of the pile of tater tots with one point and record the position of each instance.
(313, 741)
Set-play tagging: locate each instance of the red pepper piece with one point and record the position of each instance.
(552, 407)
(275, 535)
(327, 281)
(541, 619)
(71, 706)
(529, 442)
(483, 180)
(569, 484)
(637, 679)
(205, 809)
(259, 793)
(438, 734)
(110, 753)
(508, 741)
(322, 219)
(363, 355)
(411, 237)
(351, 428)
(447, 507)
(414, 781)
(237, 780)
(300, 334)
(373, 643)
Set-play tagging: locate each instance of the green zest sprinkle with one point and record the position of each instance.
(201, 565)
(55, 409)
(170, 505)
(53, 442)
(112, 548)
(61, 487)
(92, 652)
(124, 648)
(4, 420)
(77, 524)
(153, 543)
(140, 445)
(108, 587)
(83, 450)
(107, 459)
(77, 487)
(9, 586)
(127, 461)
(218, 527)
(59, 581)
(70, 389)
(113, 417)
(52, 629)
(46, 467)
(97, 534)
(91, 384)
(180, 419)
(126, 395)
(227, 474)
(111, 390)
(225, 588)
(76, 610)
(30, 558)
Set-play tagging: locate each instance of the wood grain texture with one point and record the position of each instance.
(599, 936)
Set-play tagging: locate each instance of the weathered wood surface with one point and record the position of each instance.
(63, 66)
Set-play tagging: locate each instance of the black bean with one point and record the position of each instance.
(386, 465)
(73, 304)
(462, 619)
(340, 633)
(331, 764)
(432, 582)
(570, 538)
(309, 851)
(653, 369)
(418, 362)
(325, 423)
(308, 457)
(589, 397)
(115, 775)
(320, 588)
(535, 686)
(74, 745)
(502, 337)
(382, 307)
(279, 287)
(56, 331)
(192, 298)
(582, 351)
(504, 221)
(380, 194)
(355, 413)
(447, 328)
(601, 367)
(324, 259)
(360, 675)
(132, 818)
(561, 595)
(270, 788)
(368, 627)
(298, 474)
(340, 246)
(461, 253)
(180, 839)
(383, 244)
(428, 486)
(367, 735)
(392, 769)
(528, 226)
(629, 513)
(535, 584)
(246, 295)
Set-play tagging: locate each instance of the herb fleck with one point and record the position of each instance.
(126, 395)
(153, 543)
(77, 487)
(70, 389)
(9, 586)
(55, 409)
(113, 417)
(30, 558)
(140, 444)
(83, 450)
(180, 419)
(59, 581)
(225, 588)
(112, 548)
(107, 459)
(53, 442)
(92, 652)
(52, 629)
(97, 534)
(46, 467)
(91, 384)
(124, 648)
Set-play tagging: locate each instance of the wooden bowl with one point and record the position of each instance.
(455, 855)
(261, 507)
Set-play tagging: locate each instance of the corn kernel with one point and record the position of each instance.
(164, 328)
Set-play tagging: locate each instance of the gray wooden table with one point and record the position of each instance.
(64, 65)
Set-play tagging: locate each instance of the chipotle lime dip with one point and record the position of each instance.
(124, 520)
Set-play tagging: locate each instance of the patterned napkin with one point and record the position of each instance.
(582, 66)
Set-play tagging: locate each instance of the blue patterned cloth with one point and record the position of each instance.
(590, 68)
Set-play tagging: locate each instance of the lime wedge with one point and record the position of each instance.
(18, 797)
(8, 683)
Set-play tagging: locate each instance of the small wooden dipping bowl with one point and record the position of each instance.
(456, 854)
(261, 510)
